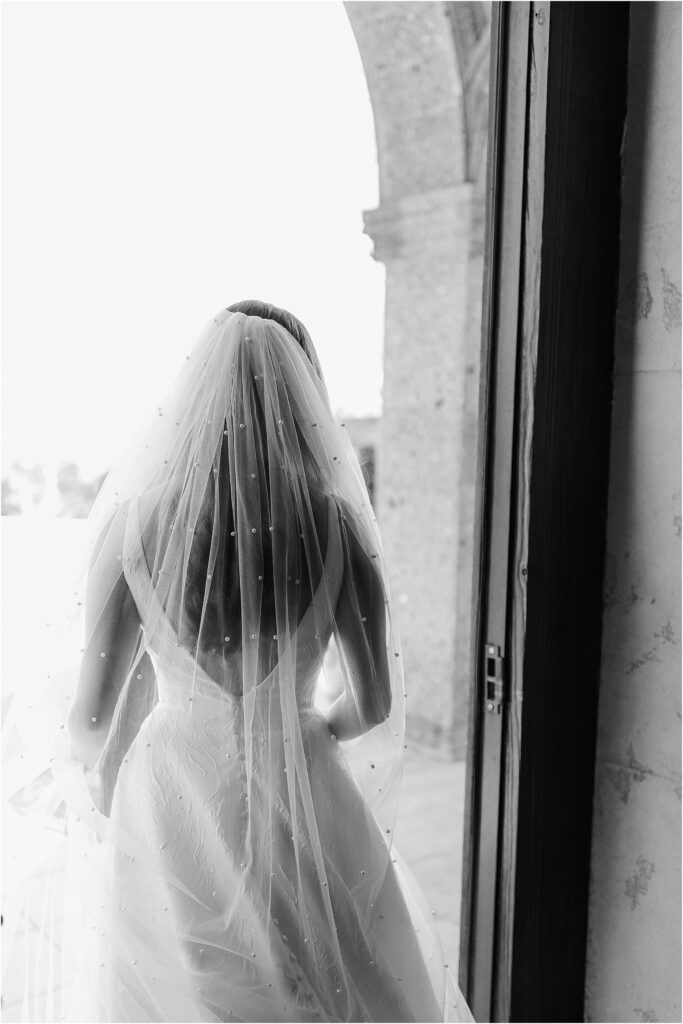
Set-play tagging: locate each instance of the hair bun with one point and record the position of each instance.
(291, 323)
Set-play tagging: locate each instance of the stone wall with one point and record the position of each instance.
(363, 432)
(634, 967)
(418, 469)
(429, 129)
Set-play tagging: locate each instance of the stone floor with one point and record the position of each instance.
(428, 838)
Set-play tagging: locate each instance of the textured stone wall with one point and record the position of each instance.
(363, 432)
(416, 56)
(418, 468)
(409, 61)
(634, 967)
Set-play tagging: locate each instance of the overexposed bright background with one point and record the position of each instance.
(160, 161)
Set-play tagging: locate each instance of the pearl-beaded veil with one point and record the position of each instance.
(199, 809)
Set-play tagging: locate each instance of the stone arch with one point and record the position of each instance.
(426, 65)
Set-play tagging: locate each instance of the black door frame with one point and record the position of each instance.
(557, 110)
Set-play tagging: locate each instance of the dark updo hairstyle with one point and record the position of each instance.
(267, 311)
(221, 614)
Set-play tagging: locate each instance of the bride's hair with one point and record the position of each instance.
(222, 611)
(292, 324)
(267, 311)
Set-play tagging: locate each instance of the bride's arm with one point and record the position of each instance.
(344, 720)
(361, 623)
(112, 628)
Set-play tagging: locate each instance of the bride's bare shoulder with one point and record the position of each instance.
(148, 501)
(161, 498)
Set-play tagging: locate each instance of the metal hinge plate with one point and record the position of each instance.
(494, 681)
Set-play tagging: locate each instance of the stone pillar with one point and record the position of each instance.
(426, 68)
(424, 242)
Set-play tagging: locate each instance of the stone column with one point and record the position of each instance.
(426, 68)
(424, 242)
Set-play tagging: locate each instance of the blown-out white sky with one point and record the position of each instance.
(161, 160)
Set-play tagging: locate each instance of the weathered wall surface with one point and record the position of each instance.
(418, 471)
(634, 969)
(416, 57)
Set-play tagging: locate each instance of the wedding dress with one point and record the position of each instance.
(223, 854)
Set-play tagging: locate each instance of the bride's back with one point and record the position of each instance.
(208, 611)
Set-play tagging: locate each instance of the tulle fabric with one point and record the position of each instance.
(222, 855)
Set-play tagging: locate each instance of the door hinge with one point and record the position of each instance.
(494, 680)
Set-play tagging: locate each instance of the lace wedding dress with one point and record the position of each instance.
(227, 841)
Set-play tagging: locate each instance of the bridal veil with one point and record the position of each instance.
(203, 846)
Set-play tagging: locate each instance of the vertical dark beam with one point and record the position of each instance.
(565, 469)
(558, 92)
(494, 494)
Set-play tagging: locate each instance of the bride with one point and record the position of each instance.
(224, 843)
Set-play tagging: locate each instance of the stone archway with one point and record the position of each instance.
(426, 65)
